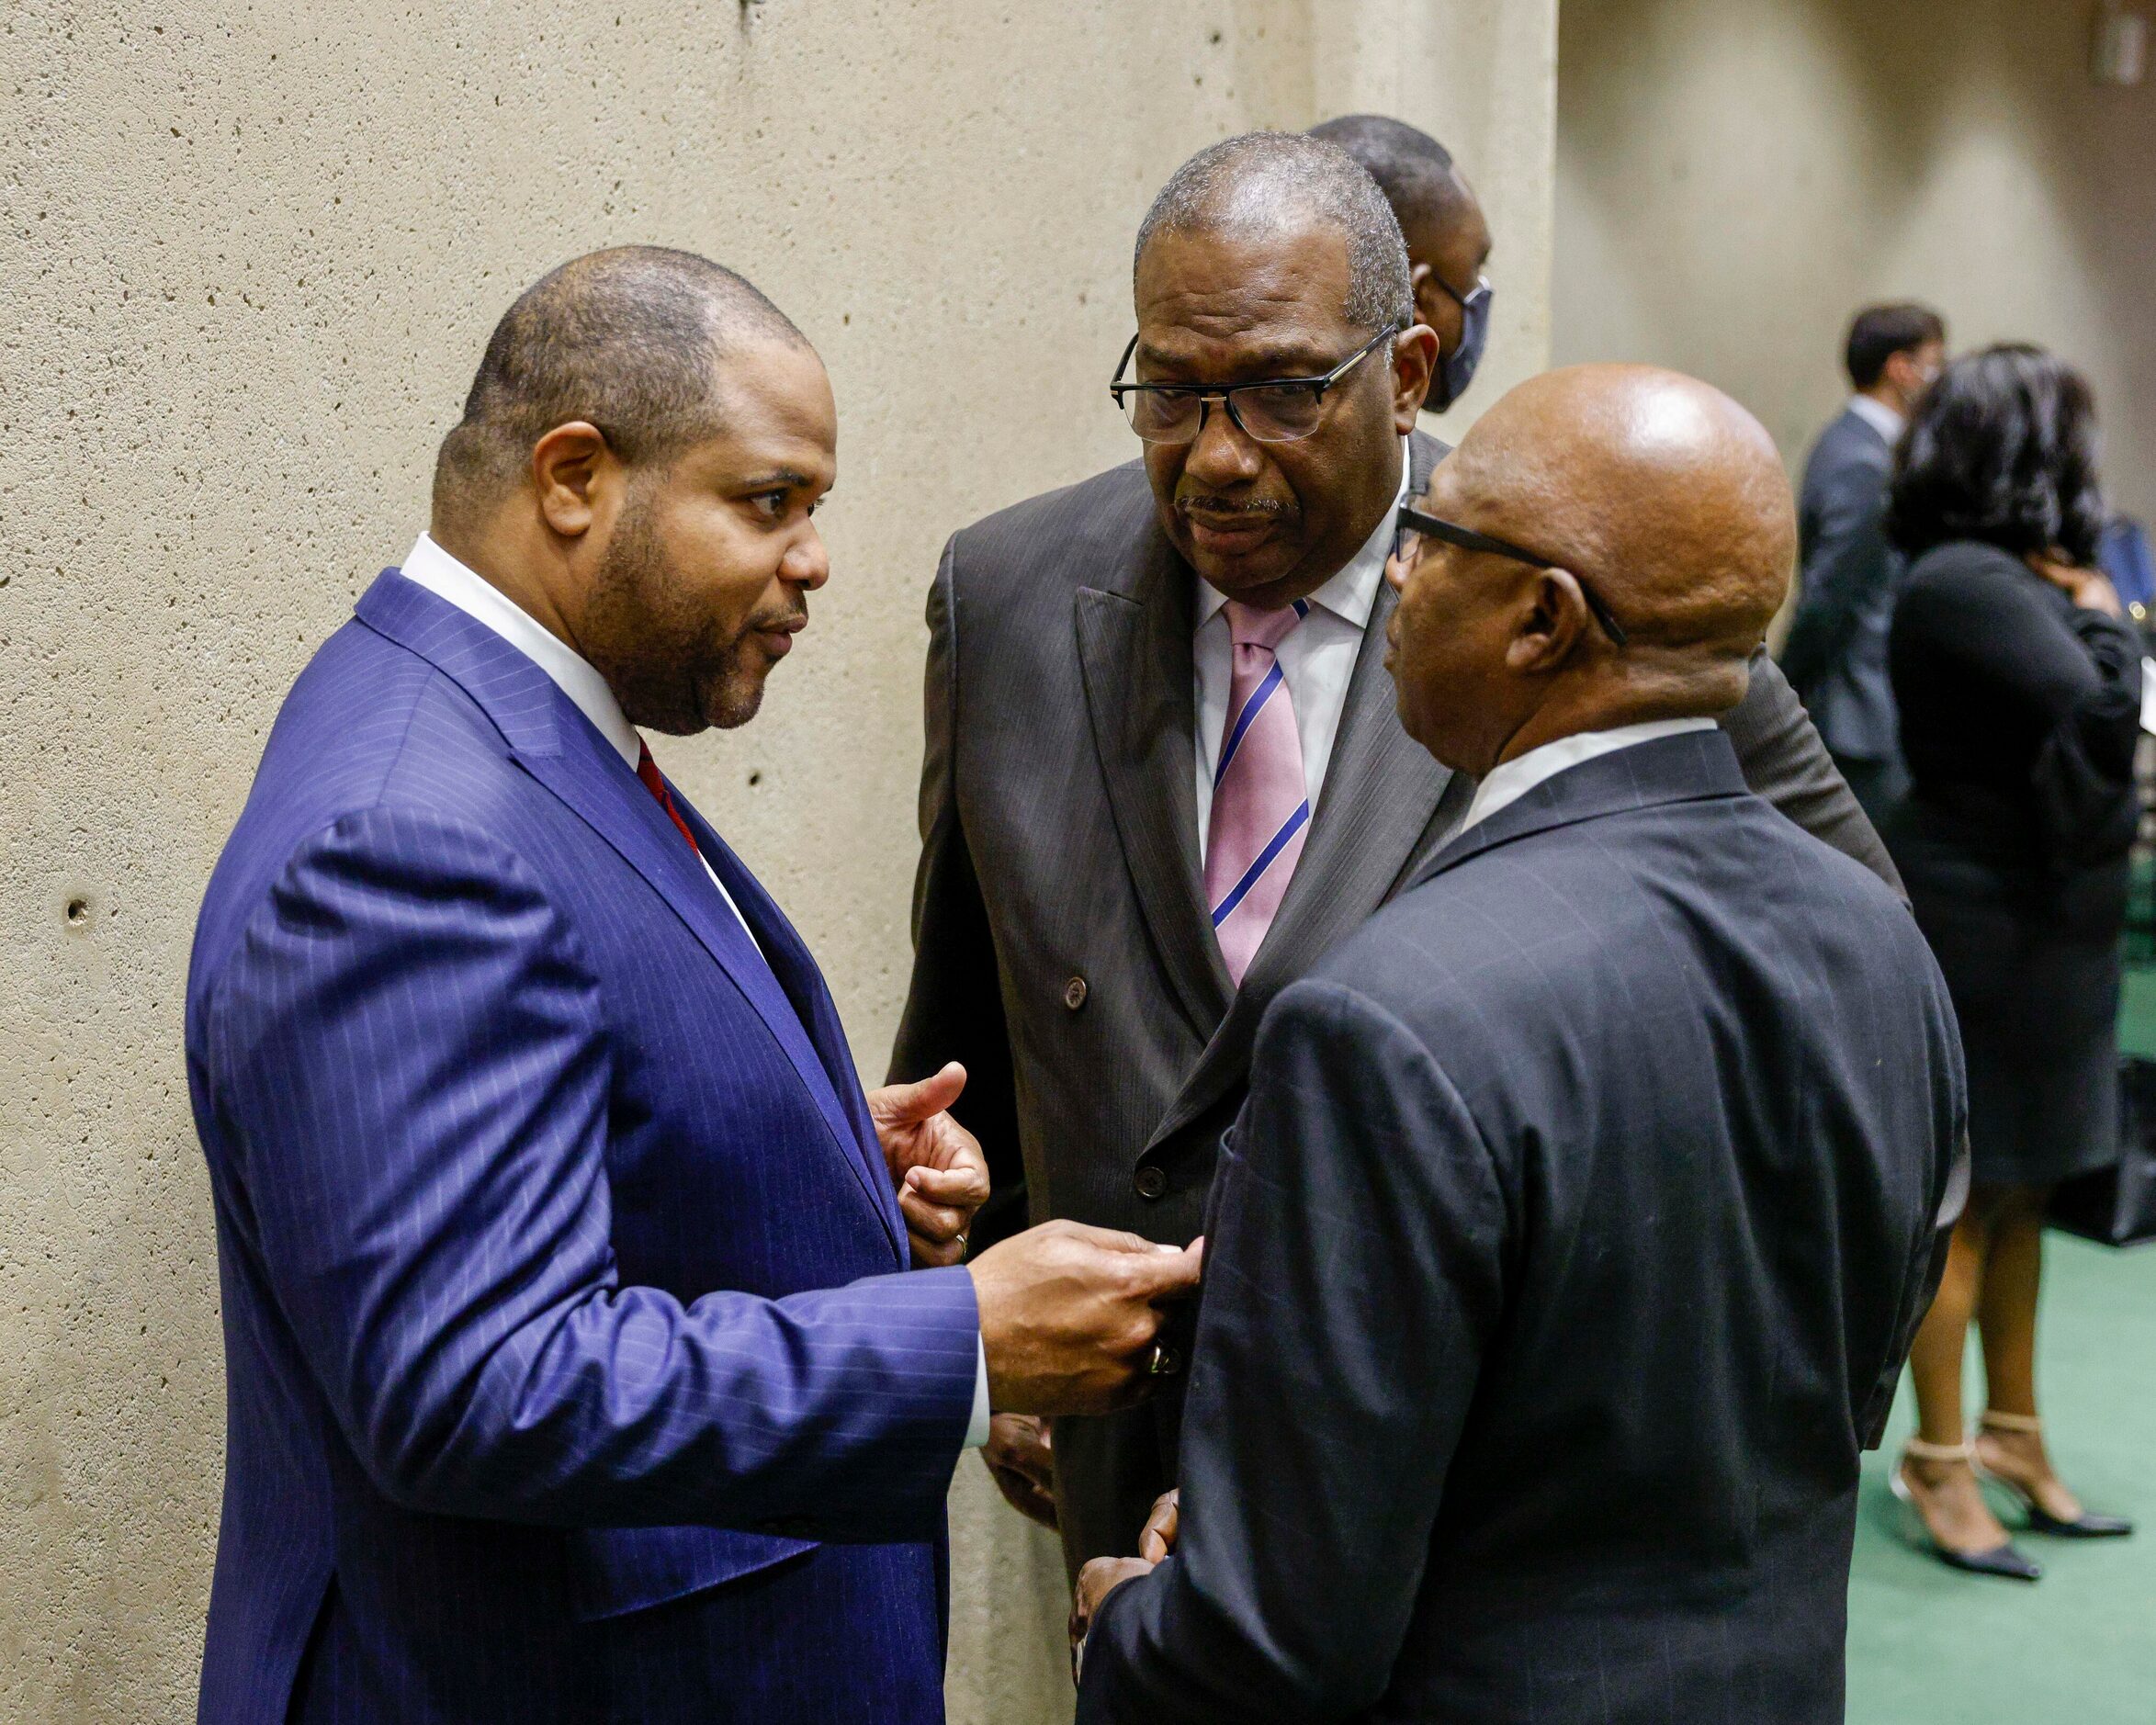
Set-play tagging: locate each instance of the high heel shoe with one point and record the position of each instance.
(2040, 1520)
(2004, 1561)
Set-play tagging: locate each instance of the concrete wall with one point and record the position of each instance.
(251, 253)
(1737, 176)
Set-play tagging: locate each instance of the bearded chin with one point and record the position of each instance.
(736, 692)
(637, 637)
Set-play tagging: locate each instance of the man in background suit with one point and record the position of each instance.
(1836, 657)
(1447, 235)
(1565, 1254)
(571, 1375)
(1086, 943)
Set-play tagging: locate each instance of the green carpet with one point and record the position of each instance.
(1928, 1646)
(2137, 1014)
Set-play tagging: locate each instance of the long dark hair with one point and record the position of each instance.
(2001, 448)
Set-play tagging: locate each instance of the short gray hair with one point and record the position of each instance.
(1274, 180)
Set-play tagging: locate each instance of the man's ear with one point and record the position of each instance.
(1415, 358)
(573, 471)
(1552, 625)
(1422, 286)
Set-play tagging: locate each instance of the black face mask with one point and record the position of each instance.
(1456, 370)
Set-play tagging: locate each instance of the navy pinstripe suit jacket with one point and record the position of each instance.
(565, 1346)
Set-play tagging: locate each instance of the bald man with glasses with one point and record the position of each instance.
(1563, 1262)
(1163, 771)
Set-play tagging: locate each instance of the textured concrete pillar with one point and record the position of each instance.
(250, 254)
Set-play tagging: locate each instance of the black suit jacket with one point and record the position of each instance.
(1062, 946)
(1836, 654)
(1559, 1268)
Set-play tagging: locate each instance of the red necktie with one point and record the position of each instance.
(655, 782)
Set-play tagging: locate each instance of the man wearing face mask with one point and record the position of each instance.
(1163, 771)
(1836, 656)
(1447, 239)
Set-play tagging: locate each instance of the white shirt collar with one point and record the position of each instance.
(1877, 414)
(1352, 592)
(1511, 780)
(434, 569)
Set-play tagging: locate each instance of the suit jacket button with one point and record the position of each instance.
(1152, 1182)
(1074, 992)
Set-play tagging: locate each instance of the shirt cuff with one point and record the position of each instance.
(976, 1428)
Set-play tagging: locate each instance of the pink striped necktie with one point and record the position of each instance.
(1260, 809)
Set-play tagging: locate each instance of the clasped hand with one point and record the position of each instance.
(1104, 1575)
(1068, 1314)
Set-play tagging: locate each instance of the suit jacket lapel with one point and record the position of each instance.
(809, 1009)
(1381, 793)
(594, 782)
(1380, 789)
(1688, 767)
(552, 740)
(1134, 651)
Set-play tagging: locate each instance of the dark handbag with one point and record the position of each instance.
(2117, 1205)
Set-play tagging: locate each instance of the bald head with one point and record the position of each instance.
(630, 340)
(1656, 494)
(1660, 486)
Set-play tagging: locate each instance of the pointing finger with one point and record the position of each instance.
(1169, 1274)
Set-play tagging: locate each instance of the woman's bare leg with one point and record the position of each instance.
(1946, 1491)
(2006, 1321)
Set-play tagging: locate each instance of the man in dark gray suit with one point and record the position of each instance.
(1083, 659)
(1565, 1254)
(1836, 654)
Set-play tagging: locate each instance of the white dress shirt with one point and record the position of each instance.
(443, 575)
(1511, 780)
(1316, 661)
(1881, 418)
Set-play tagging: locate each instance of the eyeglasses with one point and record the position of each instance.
(1276, 411)
(1412, 526)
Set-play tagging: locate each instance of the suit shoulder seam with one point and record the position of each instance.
(480, 836)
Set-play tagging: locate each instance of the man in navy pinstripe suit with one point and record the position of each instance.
(571, 1375)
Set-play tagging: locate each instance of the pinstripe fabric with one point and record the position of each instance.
(1581, 1212)
(557, 1258)
(1059, 840)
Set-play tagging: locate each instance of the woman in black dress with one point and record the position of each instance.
(2019, 689)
